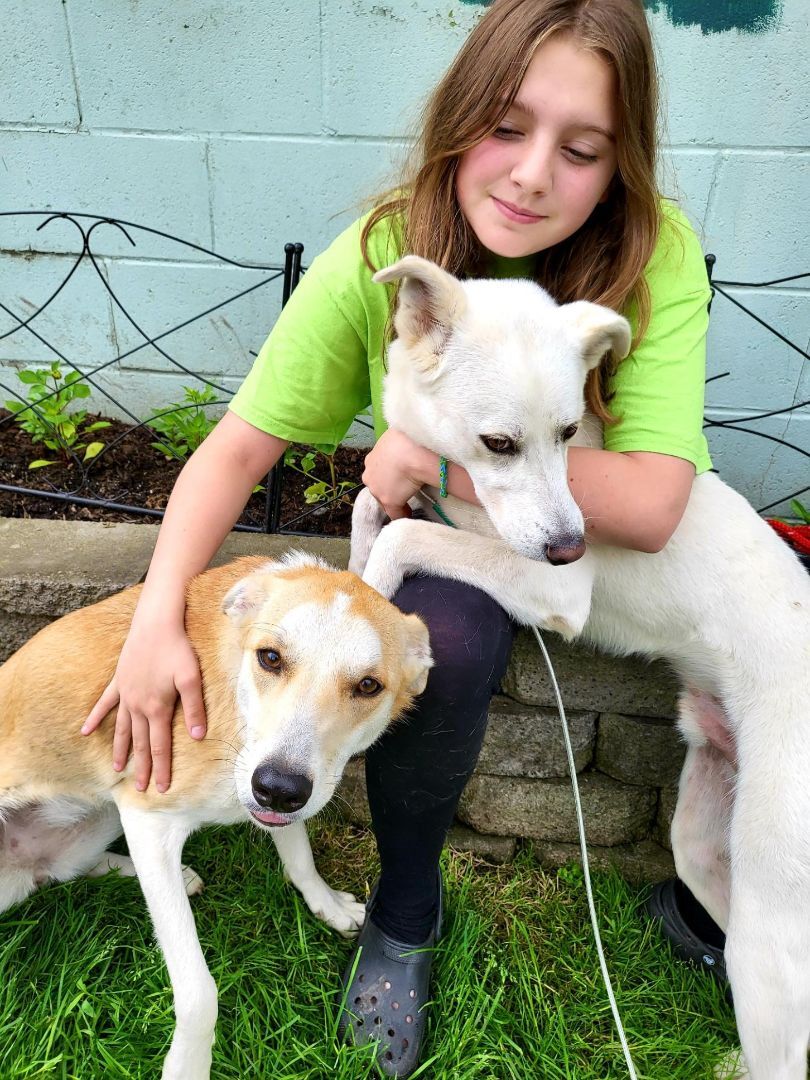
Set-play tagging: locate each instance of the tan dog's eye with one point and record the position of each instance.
(269, 659)
(569, 432)
(368, 687)
(499, 444)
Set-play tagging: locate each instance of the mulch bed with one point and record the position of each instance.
(132, 472)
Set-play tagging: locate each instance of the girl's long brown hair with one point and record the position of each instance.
(604, 260)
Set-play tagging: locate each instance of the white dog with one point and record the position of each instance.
(490, 374)
(303, 666)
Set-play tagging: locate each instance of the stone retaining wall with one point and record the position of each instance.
(626, 748)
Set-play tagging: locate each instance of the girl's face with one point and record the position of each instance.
(536, 179)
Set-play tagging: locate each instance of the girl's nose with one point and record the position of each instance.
(533, 170)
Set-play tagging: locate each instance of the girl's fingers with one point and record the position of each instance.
(141, 752)
(160, 742)
(122, 737)
(190, 690)
(108, 700)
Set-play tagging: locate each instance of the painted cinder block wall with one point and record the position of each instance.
(238, 125)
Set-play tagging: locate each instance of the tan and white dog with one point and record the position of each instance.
(490, 374)
(302, 665)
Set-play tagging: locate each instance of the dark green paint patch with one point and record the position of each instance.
(717, 16)
(712, 16)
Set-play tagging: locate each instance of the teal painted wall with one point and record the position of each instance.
(242, 124)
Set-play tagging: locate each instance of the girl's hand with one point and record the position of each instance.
(395, 469)
(154, 667)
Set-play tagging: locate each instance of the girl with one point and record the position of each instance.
(537, 158)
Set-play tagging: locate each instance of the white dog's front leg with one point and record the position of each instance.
(534, 593)
(340, 910)
(368, 518)
(156, 844)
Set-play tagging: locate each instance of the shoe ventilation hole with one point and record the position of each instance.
(394, 1004)
(389, 1056)
(373, 1000)
(357, 1000)
(377, 1019)
(408, 1019)
(412, 993)
(360, 978)
(359, 1023)
(404, 1044)
(387, 985)
(391, 1033)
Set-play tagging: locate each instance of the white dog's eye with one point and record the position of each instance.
(368, 687)
(269, 659)
(499, 444)
(569, 432)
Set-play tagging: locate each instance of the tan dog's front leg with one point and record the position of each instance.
(340, 910)
(156, 844)
(534, 593)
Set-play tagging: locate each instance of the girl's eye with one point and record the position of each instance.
(579, 156)
(369, 687)
(269, 659)
(505, 133)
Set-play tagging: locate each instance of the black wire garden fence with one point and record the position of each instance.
(38, 398)
(44, 401)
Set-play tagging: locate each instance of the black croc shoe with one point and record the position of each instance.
(695, 936)
(386, 987)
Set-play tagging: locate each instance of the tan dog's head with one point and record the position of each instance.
(323, 665)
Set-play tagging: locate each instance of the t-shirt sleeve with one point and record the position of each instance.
(311, 377)
(659, 389)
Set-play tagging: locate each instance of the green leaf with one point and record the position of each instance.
(30, 377)
(99, 424)
(92, 450)
(40, 463)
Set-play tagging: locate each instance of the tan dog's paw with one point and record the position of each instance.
(193, 882)
(342, 912)
(732, 1067)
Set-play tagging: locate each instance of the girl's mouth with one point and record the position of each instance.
(515, 213)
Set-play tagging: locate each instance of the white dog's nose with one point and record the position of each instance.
(560, 555)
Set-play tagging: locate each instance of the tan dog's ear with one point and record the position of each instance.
(418, 657)
(244, 596)
(430, 301)
(598, 330)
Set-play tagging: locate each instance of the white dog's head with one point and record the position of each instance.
(491, 375)
(322, 664)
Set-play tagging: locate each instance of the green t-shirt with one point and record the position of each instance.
(323, 361)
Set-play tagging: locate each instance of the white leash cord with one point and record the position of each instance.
(586, 868)
(614, 1008)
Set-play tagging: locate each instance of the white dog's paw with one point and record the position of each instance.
(193, 882)
(387, 567)
(341, 911)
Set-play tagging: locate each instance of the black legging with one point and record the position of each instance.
(416, 772)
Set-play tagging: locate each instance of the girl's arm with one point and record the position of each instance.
(631, 500)
(157, 662)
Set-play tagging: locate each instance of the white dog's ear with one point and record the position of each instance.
(598, 329)
(431, 301)
(418, 657)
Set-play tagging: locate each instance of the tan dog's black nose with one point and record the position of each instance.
(283, 792)
(558, 556)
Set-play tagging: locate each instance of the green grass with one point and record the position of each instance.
(84, 993)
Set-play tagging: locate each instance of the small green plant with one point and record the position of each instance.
(46, 418)
(186, 426)
(319, 491)
(801, 512)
